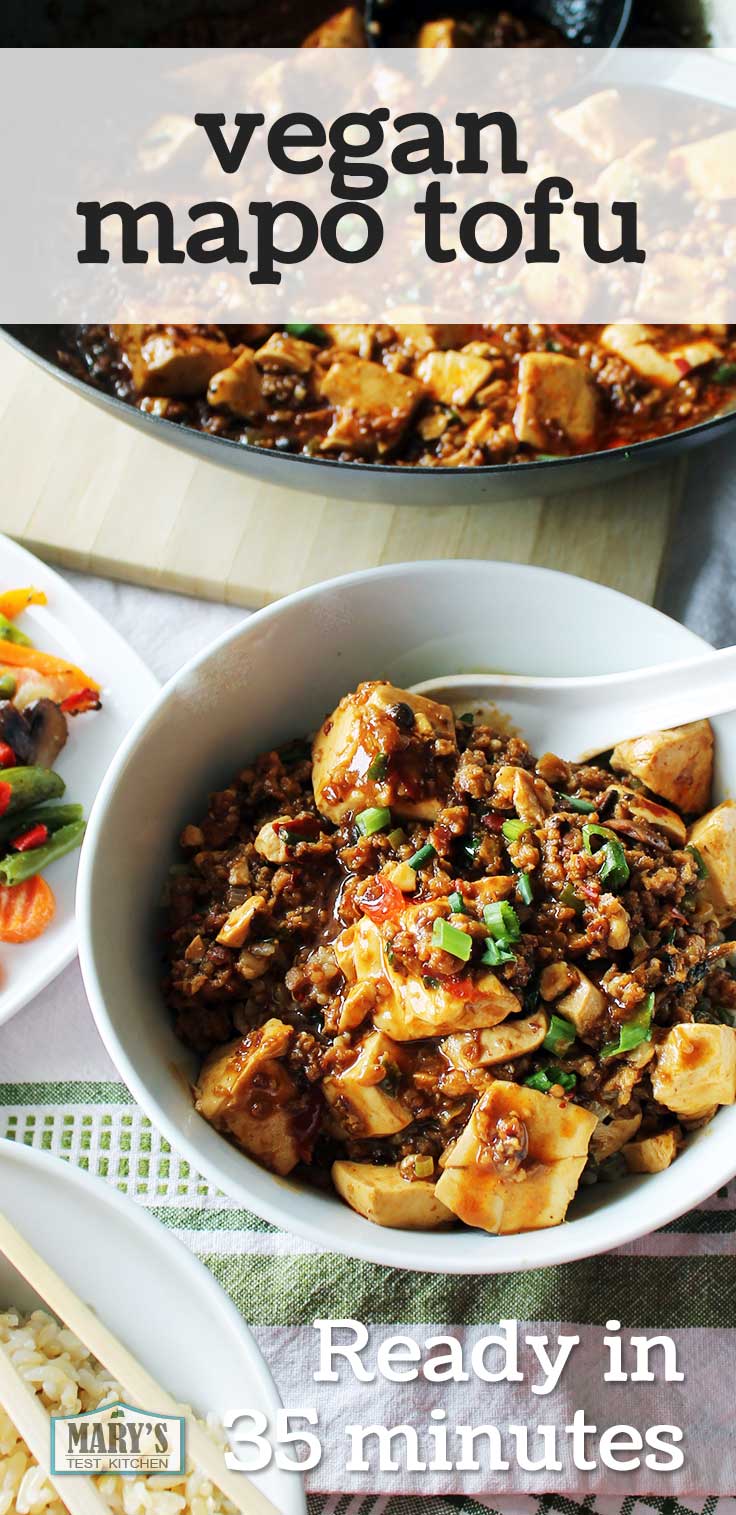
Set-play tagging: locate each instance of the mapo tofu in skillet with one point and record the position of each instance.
(450, 978)
(417, 394)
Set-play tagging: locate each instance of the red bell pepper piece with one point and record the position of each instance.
(35, 836)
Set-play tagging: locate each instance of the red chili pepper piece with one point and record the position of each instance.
(6, 794)
(8, 758)
(462, 988)
(493, 821)
(84, 699)
(35, 836)
(381, 900)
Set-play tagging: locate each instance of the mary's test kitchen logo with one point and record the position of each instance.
(117, 1438)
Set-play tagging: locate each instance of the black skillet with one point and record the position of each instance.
(582, 23)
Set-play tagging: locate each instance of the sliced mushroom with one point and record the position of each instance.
(48, 732)
(37, 734)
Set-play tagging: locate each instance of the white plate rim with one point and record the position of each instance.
(201, 1280)
(277, 1211)
(65, 602)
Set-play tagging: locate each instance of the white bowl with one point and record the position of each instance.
(273, 678)
(157, 1299)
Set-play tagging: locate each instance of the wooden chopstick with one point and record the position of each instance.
(31, 1421)
(126, 1369)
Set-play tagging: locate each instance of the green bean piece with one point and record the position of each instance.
(30, 786)
(52, 816)
(18, 866)
(12, 633)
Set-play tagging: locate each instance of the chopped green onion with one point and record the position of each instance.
(699, 860)
(451, 939)
(495, 953)
(432, 983)
(422, 856)
(513, 830)
(468, 719)
(423, 1166)
(10, 633)
(502, 921)
(591, 829)
(377, 770)
(304, 329)
(457, 903)
(633, 1032)
(725, 373)
(560, 1036)
(546, 1078)
(8, 686)
(471, 848)
(524, 886)
(397, 836)
(572, 900)
(614, 869)
(574, 803)
(375, 818)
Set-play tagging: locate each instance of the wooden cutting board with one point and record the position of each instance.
(86, 492)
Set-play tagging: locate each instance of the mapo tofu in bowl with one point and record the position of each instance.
(453, 980)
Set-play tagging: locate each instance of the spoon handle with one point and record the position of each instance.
(655, 699)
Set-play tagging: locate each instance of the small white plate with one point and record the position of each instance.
(70, 628)
(158, 1299)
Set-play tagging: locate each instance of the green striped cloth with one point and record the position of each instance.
(677, 1280)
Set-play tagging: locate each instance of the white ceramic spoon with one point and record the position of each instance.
(580, 717)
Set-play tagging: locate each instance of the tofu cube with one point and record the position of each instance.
(675, 764)
(538, 1193)
(409, 1009)
(177, 361)
(373, 405)
(238, 388)
(695, 1069)
(420, 337)
(555, 396)
(345, 29)
(244, 1091)
(710, 165)
(585, 1006)
(236, 929)
(540, 1198)
(653, 1153)
(362, 1107)
(285, 354)
(416, 736)
(714, 835)
(594, 124)
(353, 338)
(442, 33)
(453, 377)
(385, 1197)
(611, 1135)
(633, 344)
(499, 1044)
